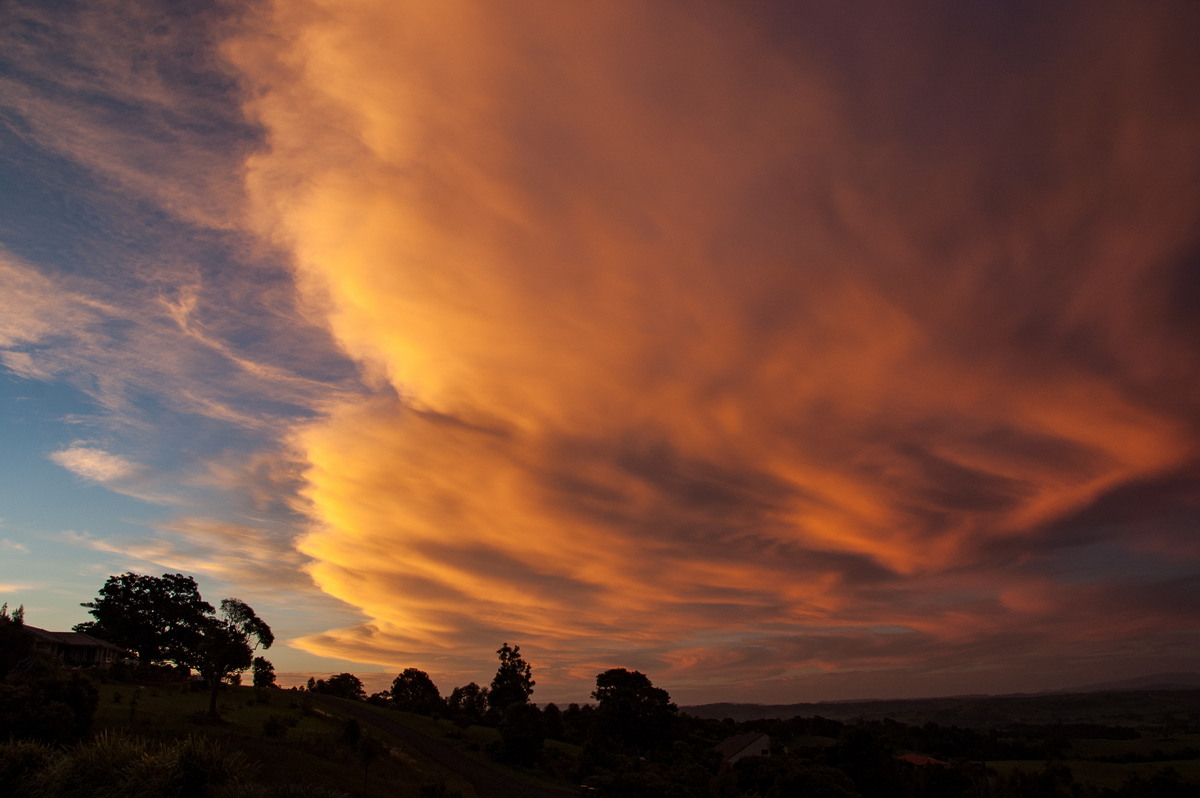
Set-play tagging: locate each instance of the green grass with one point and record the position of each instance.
(1144, 745)
(308, 752)
(474, 741)
(1103, 774)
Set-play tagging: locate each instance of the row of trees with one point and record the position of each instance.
(630, 715)
(414, 691)
(634, 743)
(165, 621)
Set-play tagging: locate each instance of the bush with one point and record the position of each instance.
(281, 791)
(192, 768)
(98, 769)
(50, 705)
(118, 766)
(275, 726)
(20, 763)
(522, 733)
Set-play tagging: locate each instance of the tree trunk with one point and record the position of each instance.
(215, 681)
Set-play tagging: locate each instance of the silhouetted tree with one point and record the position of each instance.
(414, 691)
(866, 757)
(552, 716)
(264, 673)
(469, 703)
(631, 711)
(160, 618)
(577, 722)
(522, 732)
(368, 751)
(342, 685)
(513, 682)
(225, 649)
(16, 643)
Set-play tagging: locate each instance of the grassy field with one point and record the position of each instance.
(1103, 774)
(557, 761)
(1083, 756)
(287, 743)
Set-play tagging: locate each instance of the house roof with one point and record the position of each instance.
(71, 639)
(919, 759)
(735, 745)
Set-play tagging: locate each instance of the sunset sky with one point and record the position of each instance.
(782, 351)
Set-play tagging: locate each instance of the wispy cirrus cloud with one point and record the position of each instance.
(94, 463)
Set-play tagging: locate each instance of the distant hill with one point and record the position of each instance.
(1158, 681)
(1145, 700)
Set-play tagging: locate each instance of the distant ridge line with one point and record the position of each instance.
(1159, 681)
(881, 707)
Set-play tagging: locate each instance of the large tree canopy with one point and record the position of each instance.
(469, 702)
(225, 646)
(631, 710)
(513, 682)
(165, 620)
(414, 691)
(159, 618)
(342, 685)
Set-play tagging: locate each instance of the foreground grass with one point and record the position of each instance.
(1103, 774)
(283, 742)
(1086, 768)
(556, 766)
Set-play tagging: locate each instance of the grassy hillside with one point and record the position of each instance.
(283, 739)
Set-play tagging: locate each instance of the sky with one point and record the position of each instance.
(781, 351)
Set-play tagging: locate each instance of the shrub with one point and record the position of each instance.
(118, 766)
(191, 768)
(49, 705)
(20, 763)
(281, 791)
(275, 726)
(98, 769)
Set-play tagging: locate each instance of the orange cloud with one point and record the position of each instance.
(682, 343)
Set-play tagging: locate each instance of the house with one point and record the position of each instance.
(75, 648)
(744, 745)
(920, 760)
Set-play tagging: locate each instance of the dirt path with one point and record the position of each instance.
(487, 782)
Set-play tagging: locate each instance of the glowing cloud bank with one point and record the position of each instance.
(779, 352)
(706, 349)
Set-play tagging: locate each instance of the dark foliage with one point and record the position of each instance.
(577, 722)
(468, 704)
(47, 703)
(264, 673)
(513, 682)
(160, 618)
(522, 733)
(341, 685)
(16, 643)
(414, 691)
(552, 716)
(631, 712)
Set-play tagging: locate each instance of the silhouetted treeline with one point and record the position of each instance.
(634, 742)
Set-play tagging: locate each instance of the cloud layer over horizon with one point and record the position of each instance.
(781, 354)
